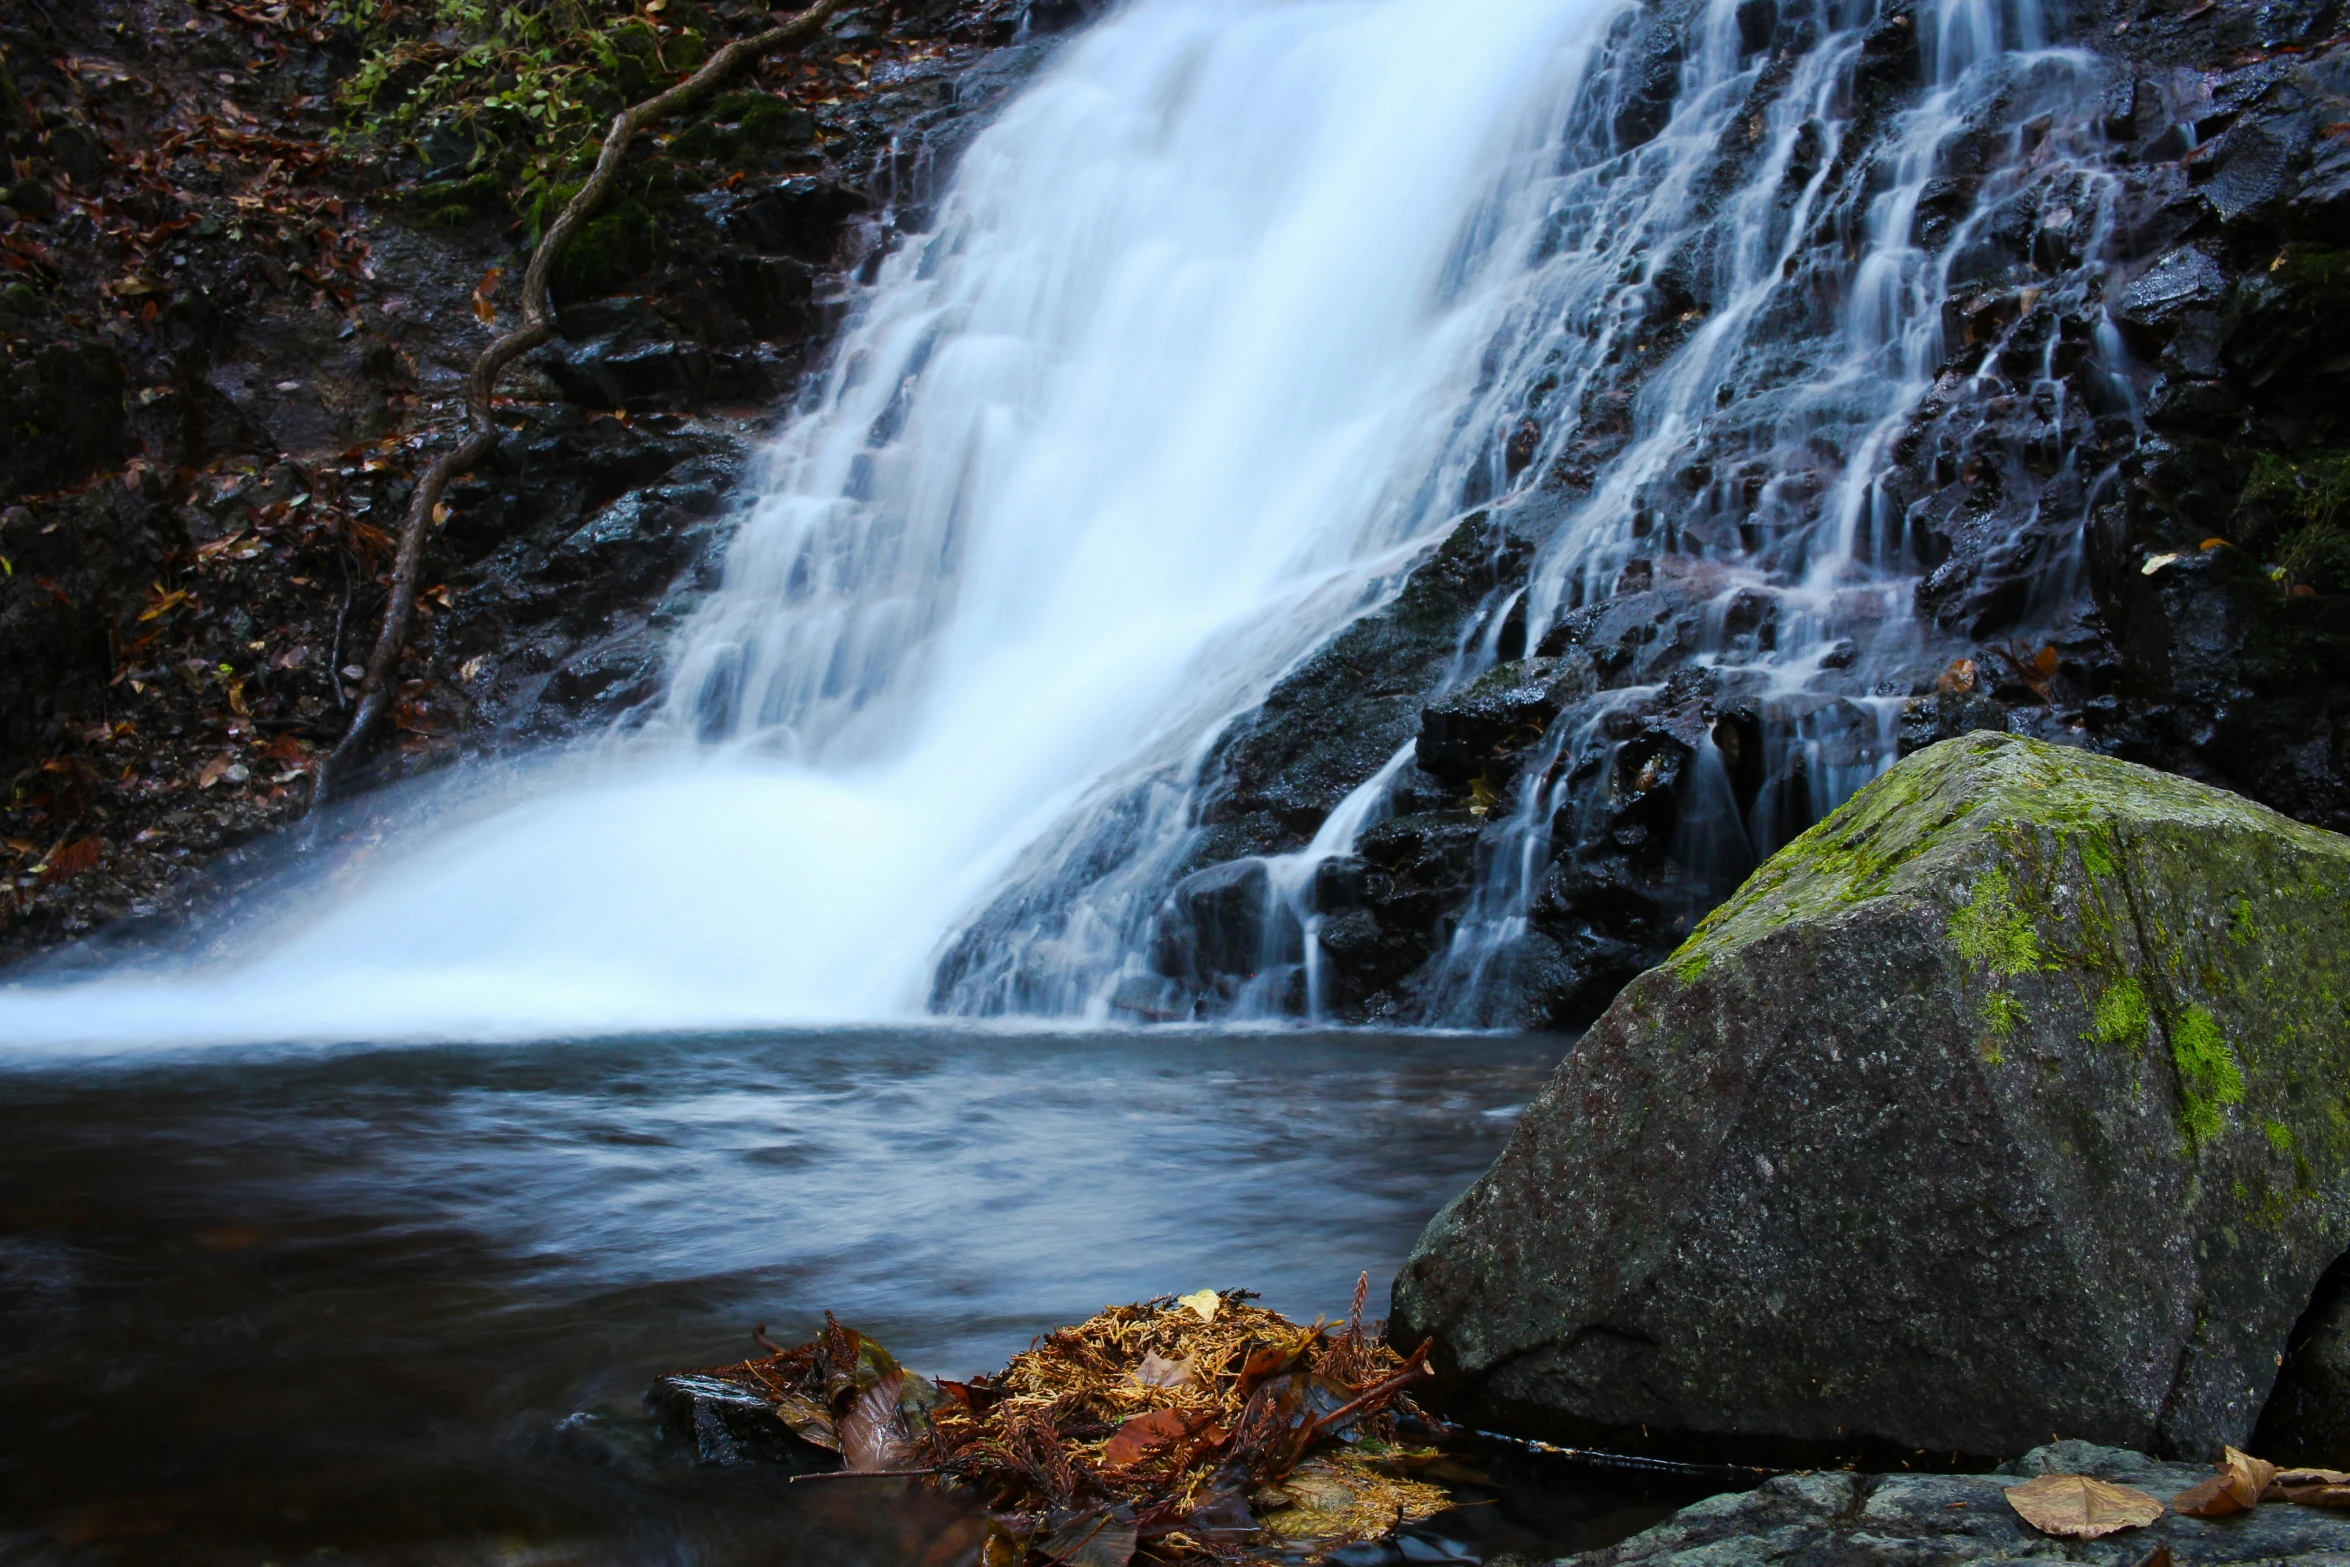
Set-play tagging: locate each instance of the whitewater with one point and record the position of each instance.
(1168, 392)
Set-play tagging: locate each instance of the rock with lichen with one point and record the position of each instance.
(2013, 1098)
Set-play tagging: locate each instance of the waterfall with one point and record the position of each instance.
(1726, 350)
(1763, 455)
(1191, 367)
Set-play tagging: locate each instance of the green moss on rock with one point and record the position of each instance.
(2122, 1015)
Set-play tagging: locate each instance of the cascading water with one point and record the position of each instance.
(1775, 279)
(1758, 465)
(1173, 388)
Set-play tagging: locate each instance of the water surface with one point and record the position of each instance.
(401, 1305)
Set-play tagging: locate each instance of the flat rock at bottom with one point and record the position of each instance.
(1829, 1518)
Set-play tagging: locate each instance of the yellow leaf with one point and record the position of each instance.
(2081, 1507)
(1205, 1303)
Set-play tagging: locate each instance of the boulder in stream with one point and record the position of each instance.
(2011, 1100)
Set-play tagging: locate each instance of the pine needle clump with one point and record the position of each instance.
(1198, 1426)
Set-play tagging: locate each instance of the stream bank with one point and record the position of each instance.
(236, 315)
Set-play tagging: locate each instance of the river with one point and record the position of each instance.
(402, 1305)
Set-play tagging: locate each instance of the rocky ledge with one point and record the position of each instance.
(1835, 1518)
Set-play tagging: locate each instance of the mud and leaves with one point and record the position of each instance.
(1200, 1427)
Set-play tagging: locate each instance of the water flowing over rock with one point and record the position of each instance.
(2008, 1100)
(1881, 376)
(1504, 481)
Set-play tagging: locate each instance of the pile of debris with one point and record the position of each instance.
(1193, 1426)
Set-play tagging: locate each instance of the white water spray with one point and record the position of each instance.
(1165, 397)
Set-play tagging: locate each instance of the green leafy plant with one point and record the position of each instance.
(2312, 496)
(521, 88)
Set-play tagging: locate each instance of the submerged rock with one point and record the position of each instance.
(2009, 1100)
(1951, 1518)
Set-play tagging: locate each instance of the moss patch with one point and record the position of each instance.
(2123, 1017)
(1990, 932)
(2209, 1078)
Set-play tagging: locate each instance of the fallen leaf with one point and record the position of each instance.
(1266, 1359)
(160, 602)
(2208, 1498)
(2155, 563)
(484, 310)
(1154, 1371)
(2247, 1477)
(871, 1435)
(1958, 679)
(1205, 1304)
(1143, 1435)
(2310, 1487)
(211, 771)
(71, 859)
(1098, 1537)
(808, 1420)
(2081, 1507)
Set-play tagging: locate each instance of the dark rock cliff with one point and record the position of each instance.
(234, 334)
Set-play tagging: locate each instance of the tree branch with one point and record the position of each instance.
(375, 690)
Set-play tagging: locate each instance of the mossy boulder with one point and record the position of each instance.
(2013, 1098)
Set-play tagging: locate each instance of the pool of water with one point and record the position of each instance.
(401, 1305)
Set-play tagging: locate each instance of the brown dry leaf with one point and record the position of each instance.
(809, 1421)
(2207, 1499)
(484, 309)
(1156, 1371)
(2310, 1487)
(71, 859)
(211, 771)
(871, 1434)
(160, 602)
(1143, 1435)
(1958, 679)
(1098, 1537)
(2081, 1507)
(2241, 1482)
(2248, 1478)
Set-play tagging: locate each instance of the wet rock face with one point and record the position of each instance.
(2007, 1100)
(2208, 556)
(2307, 1420)
(1954, 1518)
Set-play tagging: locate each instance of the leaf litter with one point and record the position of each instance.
(2082, 1507)
(1199, 1427)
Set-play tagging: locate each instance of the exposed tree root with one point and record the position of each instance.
(381, 679)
